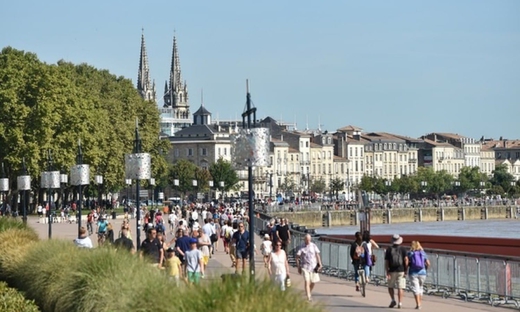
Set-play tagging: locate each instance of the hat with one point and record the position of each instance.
(266, 236)
(397, 240)
(193, 240)
(170, 249)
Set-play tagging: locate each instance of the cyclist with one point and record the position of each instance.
(102, 229)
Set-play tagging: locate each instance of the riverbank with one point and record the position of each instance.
(315, 219)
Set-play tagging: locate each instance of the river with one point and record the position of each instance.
(476, 228)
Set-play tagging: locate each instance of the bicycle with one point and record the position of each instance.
(101, 238)
(362, 281)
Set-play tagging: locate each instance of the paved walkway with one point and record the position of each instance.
(332, 293)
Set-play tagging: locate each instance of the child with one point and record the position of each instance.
(173, 265)
(266, 248)
(194, 263)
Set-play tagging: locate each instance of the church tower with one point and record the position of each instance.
(145, 88)
(176, 91)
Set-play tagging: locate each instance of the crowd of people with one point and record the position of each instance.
(184, 247)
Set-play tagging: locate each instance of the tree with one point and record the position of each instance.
(50, 107)
(441, 181)
(288, 185)
(366, 184)
(203, 177)
(337, 185)
(501, 177)
(184, 171)
(222, 170)
(318, 185)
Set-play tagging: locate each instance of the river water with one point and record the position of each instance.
(477, 228)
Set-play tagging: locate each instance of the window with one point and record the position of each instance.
(219, 152)
(384, 146)
(176, 152)
(292, 158)
(330, 168)
(356, 151)
(189, 152)
(203, 151)
(330, 155)
(225, 151)
(307, 144)
(342, 168)
(350, 152)
(357, 168)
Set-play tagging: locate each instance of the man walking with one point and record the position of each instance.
(241, 241)
(308, 261)
(396, 264)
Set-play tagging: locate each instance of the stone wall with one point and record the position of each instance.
(398, 215)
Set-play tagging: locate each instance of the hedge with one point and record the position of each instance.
(13, 301)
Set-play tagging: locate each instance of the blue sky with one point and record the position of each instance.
(406, 67)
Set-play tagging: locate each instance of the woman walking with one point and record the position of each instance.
(418, 264)
(278, 266)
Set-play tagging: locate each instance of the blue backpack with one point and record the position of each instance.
(417, 261)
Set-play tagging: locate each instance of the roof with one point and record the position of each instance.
(439, 144)
(293, 150)
(350, 128)
(403, 137)
(380, 136)
(202, 111)
(454, 136)
(339, 159)
(315, 145)
(195, 130)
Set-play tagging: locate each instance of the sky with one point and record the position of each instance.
(404, 67)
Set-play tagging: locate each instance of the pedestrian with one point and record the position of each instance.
(173, 265)
(241, 241)
(278, 266)
(194, 263)
(357, 256)
(124, 242)
(308, 261)
(83, 240)
(370, 257)
(396, 265)
(266, 248)
(152, 248)
(418, 263)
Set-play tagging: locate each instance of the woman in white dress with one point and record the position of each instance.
(278, 266)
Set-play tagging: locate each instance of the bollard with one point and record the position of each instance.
(353, 217)
(440, 214)
(484, 213)
(329, 219)
(461, 214)
(384, 218)
(324, 220)
(509, 212)
(389, 216)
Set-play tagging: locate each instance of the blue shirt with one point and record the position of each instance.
(242, 240)
(417, 272)
(102, 226)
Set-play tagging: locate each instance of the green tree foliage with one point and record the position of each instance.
(366, 184)
(288, 185)
(52, 106)
(336, 185)
(203, 177)
(469, 179)
(222, 170)
(318, 185)
(501, 179)
(184, 171)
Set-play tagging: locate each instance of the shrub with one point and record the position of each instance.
(13, 301)
(14, 243)
(7, 223)
(61, 277)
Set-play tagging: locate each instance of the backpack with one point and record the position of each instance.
(368, 260)
(359, 252)
(417, 261)
(396, 258)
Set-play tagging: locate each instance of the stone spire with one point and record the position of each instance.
(176, 95)
(144, 86)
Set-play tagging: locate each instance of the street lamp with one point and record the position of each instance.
(128, 183)
(138, 167)
(211, 184)
(194, 183)
(152, 184)
(4, 186)
(222, 184)
(99, 182)
(50, 180)
(79, 176)
(270, 176)
(24, 185)
(64, 179)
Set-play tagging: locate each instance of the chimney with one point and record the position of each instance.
(281, 137)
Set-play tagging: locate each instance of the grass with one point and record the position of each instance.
(58, 276)
(13, 301)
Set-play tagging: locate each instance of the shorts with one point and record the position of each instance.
(310, 276)
(242, 254)
(205, 260)
(397, 280)
(194, 277)
(417, 283)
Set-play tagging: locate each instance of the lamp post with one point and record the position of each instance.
(388, 184)
(64, 179)
(79, 176)
(128, 183)
(99, 182)
(4, 186)
(137, 167)
(50, 179)
(24, 185)
(270, 175)
(211, 184)
(152, 186)
(222, 184)
(194, 183)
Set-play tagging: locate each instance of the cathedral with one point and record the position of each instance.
(175, 113)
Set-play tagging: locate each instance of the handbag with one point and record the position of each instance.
(374, 259)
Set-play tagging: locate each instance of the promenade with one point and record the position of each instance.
(332, 293)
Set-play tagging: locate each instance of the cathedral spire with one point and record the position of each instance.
(177, 94)
(176, 80)
(144, 85)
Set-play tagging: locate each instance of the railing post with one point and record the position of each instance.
(478, 277)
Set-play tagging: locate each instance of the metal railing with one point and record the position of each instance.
(495, 281)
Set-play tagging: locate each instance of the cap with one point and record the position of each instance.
(170, 249)
(193, 241)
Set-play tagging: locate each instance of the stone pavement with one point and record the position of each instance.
(333, 294)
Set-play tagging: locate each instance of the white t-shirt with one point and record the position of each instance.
(85, 242)
(267, 247)
(195, 215)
